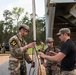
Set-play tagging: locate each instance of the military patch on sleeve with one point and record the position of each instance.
(13, 43)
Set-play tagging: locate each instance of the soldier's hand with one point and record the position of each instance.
(42, 54)
(31, 45)
(52, 53)
(33, 64)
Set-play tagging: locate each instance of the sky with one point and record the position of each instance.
(26, 4)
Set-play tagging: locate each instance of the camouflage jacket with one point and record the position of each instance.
(50, 63)
(16, 44)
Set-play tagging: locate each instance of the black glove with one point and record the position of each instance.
(32, 64)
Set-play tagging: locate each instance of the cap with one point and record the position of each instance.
(49, 40)
(64, 30)
(24, 26)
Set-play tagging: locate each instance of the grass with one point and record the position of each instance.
(31, 49)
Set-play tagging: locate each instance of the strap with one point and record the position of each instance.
(22, 43)
(54, 49)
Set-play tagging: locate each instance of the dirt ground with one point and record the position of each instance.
(4, 58)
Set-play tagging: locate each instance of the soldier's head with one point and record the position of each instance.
(49, 42)
(64, 34)
(24, 29)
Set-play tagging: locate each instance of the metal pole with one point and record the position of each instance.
(34, 17)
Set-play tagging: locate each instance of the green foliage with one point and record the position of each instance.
(1, 31)
(17, 13)
(30, 50)
(7, 25)
(40, 23)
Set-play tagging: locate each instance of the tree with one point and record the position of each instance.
(17, 13)
(8, 24)
(1, 31)
(25, 19)
(40, 30)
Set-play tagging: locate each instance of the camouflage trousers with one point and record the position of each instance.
(73, 72)
(56, 72)
(14, 67)
(52, 72)
(48, 71)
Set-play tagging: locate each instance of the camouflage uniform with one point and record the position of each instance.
(50, 64)
(17, 55)
(73, 72)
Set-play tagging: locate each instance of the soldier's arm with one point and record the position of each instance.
(30, 45)
(58, 57)
(15, 48)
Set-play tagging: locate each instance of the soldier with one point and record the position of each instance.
(51, 67)
(18, 51)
